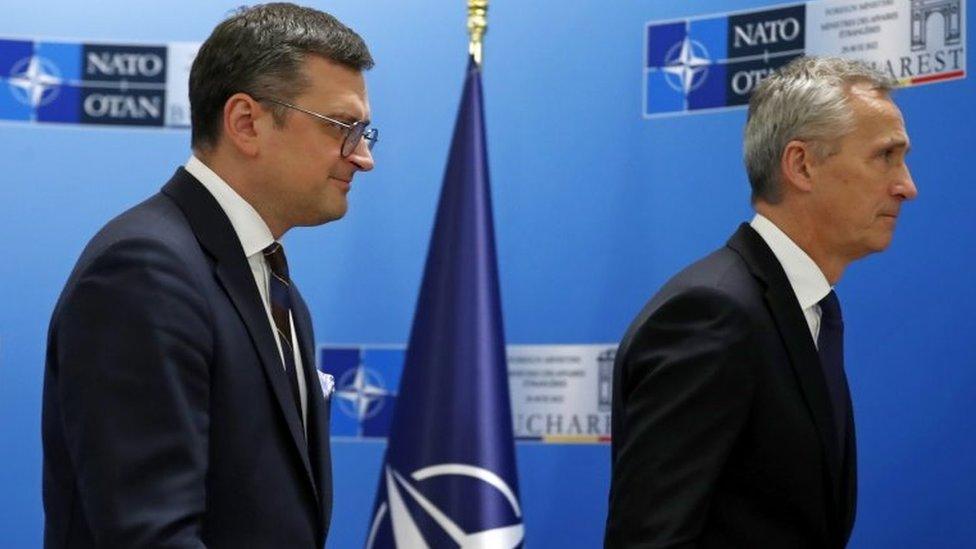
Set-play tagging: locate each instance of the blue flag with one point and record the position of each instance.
(449, 477)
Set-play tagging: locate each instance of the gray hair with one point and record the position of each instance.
(807, 100)
(260, 51)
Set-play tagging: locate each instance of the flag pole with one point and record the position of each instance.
(477, 27)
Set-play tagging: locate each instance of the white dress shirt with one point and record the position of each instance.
(808, 281)
(255, 236)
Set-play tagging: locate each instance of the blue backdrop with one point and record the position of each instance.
(594, 208)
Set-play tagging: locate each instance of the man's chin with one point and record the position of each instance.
(336, 212)
(880, 242)
(325, 216)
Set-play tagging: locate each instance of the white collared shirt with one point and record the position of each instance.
(808, 281)
(255, 236)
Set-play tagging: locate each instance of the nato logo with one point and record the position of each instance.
(35, 81)
(715, 62)
(410, 516)
(39, 81)
(82, 83)
(366, 379)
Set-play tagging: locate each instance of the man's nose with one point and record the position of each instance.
(905, 186)
(362, 157)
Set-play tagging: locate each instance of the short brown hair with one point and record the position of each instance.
(260, 51)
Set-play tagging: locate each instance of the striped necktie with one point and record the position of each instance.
(279, 287)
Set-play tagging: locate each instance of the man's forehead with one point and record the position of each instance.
(866, 90)
(874, 105)
(336, 88)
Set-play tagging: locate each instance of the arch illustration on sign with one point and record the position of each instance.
(923, 9)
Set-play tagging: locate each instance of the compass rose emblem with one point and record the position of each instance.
(407, 533)
(35, 81)
(686, 65)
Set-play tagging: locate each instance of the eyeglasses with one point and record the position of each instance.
(352, 133)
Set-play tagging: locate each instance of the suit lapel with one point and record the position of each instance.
(795, 333)
(318, 407)
(849, 487)
(217, 236)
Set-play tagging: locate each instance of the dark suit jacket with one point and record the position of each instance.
(722, 431)
(167, 418)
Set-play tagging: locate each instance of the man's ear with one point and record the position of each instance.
(796, 164)
(241, 123)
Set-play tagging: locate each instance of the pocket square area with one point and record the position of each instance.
(328, 384)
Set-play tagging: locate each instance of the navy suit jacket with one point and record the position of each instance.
(722, 430)
(167, 418)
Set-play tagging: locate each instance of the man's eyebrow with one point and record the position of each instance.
(897, 142)
(345, 117)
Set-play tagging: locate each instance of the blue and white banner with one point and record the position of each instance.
(709, 63)
(47, 81)
(559, 393)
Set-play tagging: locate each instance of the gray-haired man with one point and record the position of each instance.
(732, 420)
(182, 407)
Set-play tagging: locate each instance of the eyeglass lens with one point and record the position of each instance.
(351, 140)
(355, 135)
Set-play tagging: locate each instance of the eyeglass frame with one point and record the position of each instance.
(371, 135)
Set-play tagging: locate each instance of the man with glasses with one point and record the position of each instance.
(182, 407)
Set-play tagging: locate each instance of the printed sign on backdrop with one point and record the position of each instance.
(95, 83)
(560, 393)
(713, 62)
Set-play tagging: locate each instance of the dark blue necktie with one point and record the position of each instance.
(281, 313)
(830, 346)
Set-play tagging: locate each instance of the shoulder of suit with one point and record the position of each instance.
(155, 224)
(156, 219)
(722, 272)
(719, 284)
